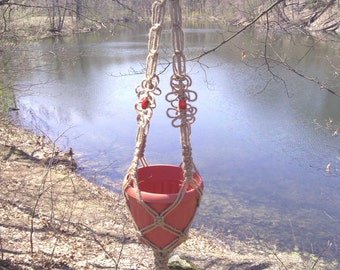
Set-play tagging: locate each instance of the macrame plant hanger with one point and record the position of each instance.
(163, 199)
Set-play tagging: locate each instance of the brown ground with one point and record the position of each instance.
(51, 218)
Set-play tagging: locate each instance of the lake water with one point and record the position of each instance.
(261, 143)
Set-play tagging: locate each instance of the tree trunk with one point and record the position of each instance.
(79, 10)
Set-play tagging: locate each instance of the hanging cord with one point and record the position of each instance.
(146, 92)
(182, 114)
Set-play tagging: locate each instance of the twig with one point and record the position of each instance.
(238, 32)
(275, 76)
(33, 214)
(329, 244)
(101, 245)
(62, 219)
(42, 190)
(284, 64)
(1, 248)
(124, 6)
(272, 252)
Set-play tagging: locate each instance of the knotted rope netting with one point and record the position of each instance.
(182, 114)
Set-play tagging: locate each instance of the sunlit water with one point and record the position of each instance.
(261, 148)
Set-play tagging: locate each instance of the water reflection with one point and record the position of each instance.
(256, 144)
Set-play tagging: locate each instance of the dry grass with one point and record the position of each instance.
(51, 218)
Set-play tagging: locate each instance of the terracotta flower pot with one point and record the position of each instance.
(159, 186)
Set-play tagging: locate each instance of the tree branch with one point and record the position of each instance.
(284, 64)
(274, 76)
(238, 32)
(124, 6)
(2, 2)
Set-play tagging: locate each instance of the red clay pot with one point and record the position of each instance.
(159, 186)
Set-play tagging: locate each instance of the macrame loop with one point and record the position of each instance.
(182, 115)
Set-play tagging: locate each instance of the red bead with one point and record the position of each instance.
(182, 104)
(145, 104)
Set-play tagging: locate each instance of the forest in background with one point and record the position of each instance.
(22, 21)
(27, 18)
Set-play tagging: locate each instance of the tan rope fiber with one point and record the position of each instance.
(182, 114)
(146, 91)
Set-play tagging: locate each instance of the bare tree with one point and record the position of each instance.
(278, 60)
(57, 13)
(79, 9)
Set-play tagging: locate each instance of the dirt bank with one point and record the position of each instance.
(51, 218)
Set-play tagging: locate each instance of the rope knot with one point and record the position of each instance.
(183, 237)
(159, 221)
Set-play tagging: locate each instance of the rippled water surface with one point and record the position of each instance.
(261, 143)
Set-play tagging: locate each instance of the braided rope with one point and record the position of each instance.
(182, 115)
(146, 92)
